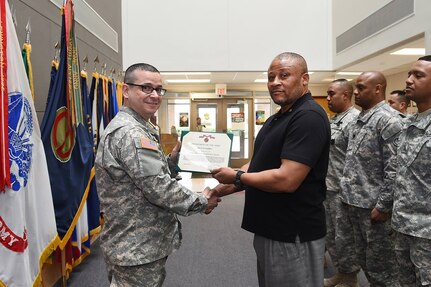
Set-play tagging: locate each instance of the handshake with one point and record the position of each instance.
(213, 199)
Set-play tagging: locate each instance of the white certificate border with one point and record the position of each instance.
(229, 135)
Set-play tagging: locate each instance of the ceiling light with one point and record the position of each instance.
(261, 80)
(349, 73)
(185, 73)
(177, 81)
(410, 51)
(332, 79)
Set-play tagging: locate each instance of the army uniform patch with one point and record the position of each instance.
(149, 144)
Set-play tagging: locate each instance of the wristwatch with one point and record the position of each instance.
(237, 181)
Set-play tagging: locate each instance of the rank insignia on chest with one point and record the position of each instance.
(149, 144)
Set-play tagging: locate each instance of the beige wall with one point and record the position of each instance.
(45, 21)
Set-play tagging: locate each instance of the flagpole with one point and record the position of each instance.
(63, 268)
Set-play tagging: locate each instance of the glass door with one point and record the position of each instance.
(227, 115)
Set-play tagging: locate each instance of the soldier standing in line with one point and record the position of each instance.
(411, 217)
(397, 100)
(369, 172)
(341, 249)
(138, 195)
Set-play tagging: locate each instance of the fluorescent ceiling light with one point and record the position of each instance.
(189, 81)
(261, 80)
(410, 51)
(332, 79)
(349, 73)
(185, 73)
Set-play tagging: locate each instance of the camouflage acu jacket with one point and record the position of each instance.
(412, 190)
(337, 152)
(137, 195)
(370, 165)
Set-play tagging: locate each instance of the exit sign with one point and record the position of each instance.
(220, 89)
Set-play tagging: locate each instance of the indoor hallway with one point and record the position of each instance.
(215, 252)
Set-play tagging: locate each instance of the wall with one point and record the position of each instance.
(406, 28)
(226, 35)
(45, 22)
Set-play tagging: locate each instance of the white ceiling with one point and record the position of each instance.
(384, 62)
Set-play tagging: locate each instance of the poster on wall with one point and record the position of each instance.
(184, 119)
(260, 118)
(209, 118)
(237, 121)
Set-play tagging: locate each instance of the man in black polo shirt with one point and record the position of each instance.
(285, 181)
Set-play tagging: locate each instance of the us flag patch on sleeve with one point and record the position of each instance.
(149, 144)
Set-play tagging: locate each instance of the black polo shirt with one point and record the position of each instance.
(301, 134)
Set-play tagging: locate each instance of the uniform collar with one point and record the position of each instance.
(421, 120)
(340, 116)
(365, 115)
(140, 119)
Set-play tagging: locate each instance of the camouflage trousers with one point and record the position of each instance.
(339, 234)
(414, 260)
(375, 248)
(146, 275)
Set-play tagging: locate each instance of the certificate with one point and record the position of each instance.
(203, 151)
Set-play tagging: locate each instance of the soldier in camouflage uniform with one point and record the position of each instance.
(139, 198)
(411, 217)
(369, 172)
(397, 100)
(341, 249)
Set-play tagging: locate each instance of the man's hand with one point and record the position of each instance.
(225, 189)
(213, 199)
(378, 216)
(224, 175)
(175, 152)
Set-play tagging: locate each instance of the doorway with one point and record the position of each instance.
(231, 115)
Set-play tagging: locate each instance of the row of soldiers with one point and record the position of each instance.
(379, 186)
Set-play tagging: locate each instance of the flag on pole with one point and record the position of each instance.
(119, 87)
(4, 142)
(112, 99)
(88, 223)
(93, 101)
(27, 221)
(68, 146)
(26, 52)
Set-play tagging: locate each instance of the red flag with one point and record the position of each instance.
(4, 142)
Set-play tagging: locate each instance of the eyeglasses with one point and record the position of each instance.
(149, 89)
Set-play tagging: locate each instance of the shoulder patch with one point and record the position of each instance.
(149, 144)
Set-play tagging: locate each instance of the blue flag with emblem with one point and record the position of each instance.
(67, 143)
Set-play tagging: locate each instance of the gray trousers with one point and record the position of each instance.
(282, 264)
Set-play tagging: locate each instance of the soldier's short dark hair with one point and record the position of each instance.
(401, 95)
(129, 77)
(425, 58)
(346, 85)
